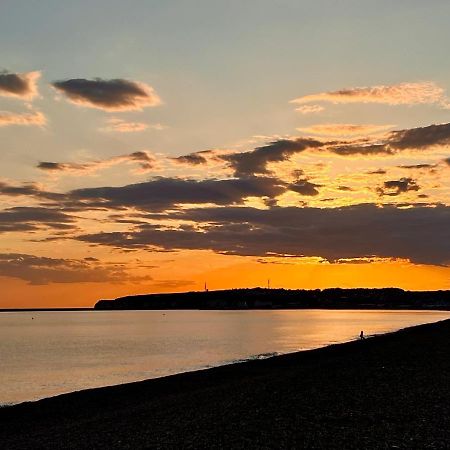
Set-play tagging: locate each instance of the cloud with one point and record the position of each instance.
(397, 187)
(145, 161)
(447, 161)
(122, 126)
(344, 129)
(32, 218)
(19, 85)
(171, 284)
(417, 166)
(164, 193)
(255, 161)
(108, 95)
(304, 187)
(420, 234)
(34, 118)
(310, 109)
(27, 189)
(193, 159)
(398, 94)
(39, 270)
(419, 138)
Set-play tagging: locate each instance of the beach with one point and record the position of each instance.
(389, 391)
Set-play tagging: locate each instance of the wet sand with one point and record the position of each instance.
(391, 391)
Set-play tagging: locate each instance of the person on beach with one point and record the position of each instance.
(361, 335)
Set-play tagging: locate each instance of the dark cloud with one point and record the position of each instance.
(48, 165)
(29, 190)
(38, 270)
(255, 161)
(361, 149)
(28, 218)
(421, 234)
(146, 161)
(193, 159)
(110, 95)
(304, 187)
(418, 166)
(414, 139)
(21, 85)
(164, 193)
(397, 187)
(420, 138)
(345, 188)
(377, 172)
(447, 161)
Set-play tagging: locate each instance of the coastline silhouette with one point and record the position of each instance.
(260, 298)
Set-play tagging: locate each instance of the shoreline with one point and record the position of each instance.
(238, 403)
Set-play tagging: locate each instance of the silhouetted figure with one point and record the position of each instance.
(361, 335)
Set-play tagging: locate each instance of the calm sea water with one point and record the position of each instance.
(48, 353)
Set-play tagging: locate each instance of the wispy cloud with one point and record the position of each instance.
(426, 92)
(122, 126)
(35, 118)
(40, 270)
(108, 95)
(345, 129)
(19, 85)
(310, 109)
(145, 160)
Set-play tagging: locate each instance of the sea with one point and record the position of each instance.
(44, 354)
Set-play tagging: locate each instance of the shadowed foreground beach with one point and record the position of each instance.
(391, 391)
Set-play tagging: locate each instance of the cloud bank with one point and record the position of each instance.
(420, 234)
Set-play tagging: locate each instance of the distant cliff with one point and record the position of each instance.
(258, 298)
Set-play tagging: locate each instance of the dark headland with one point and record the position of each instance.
(258, 298)
(390, 391)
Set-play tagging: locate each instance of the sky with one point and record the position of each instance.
(155, 146)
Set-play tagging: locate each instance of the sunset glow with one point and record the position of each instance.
(137, 160)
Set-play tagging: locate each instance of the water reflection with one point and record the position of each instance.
(47, 353)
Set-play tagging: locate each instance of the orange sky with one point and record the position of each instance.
(163, 148)
(18, 294)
